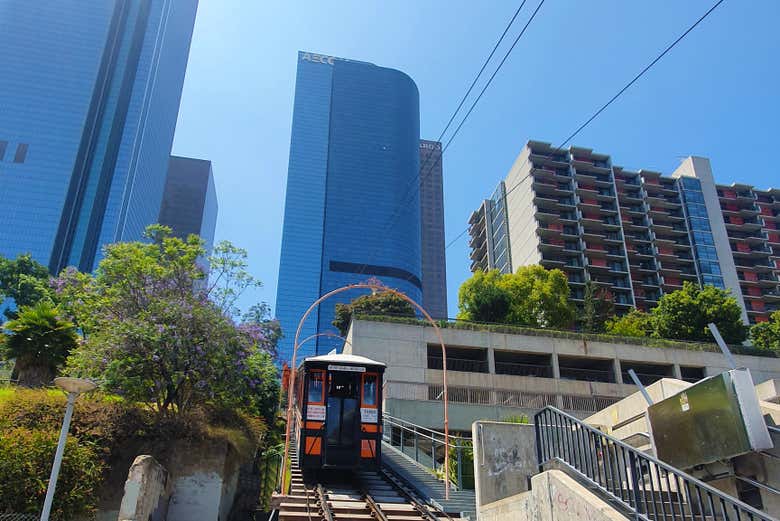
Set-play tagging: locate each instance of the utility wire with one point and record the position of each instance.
(604, 106)
(418, 179)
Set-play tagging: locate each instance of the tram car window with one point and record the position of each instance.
(340, 411)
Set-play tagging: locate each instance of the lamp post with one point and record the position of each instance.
(74, 387)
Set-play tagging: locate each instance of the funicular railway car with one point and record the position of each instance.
(339, 401)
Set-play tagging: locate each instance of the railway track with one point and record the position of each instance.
(357, 496)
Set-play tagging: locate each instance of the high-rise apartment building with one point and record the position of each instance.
(189, 204)
(352, 208)
(639, 234)
(90, 93)
(434, 266)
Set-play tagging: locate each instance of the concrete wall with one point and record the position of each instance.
(204, 482)
(521, 213)
(554, 496)
(504, 459)
(145, 491)
(404, 349)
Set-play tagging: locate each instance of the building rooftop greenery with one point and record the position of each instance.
(555, 333)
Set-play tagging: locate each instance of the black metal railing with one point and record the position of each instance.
(647, 487)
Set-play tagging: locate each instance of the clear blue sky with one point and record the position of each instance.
(714, 95)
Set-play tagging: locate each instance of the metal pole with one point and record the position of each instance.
(722, 345)
(642, 389)
(55, 469)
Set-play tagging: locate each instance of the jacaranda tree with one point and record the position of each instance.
(157, 331)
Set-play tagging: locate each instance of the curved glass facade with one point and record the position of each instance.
(353, 169)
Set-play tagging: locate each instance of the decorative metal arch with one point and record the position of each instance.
(375, 288)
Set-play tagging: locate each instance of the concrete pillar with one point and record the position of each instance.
(618, 371)
(491, 358)
(555, 367)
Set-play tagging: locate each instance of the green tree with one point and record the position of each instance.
(481, 298)
(157, 333)
(40, 341)
(539, 297)
(766, 335)
(533, 296)
(634, 323)
(684, 314)
(379, 303)
(24, 280)
(598, 306)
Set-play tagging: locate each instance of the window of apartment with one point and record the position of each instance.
(694, 197)
(571, 245)
(3, 146)
(704, 238)
(697, 210)
(700, 224)
(713, 281)
(691, 183)
(706, 253)
(709, 267)
(21, 153)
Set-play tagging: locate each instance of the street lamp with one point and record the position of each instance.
(74, 387)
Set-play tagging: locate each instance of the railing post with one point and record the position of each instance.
(402, 440)
(632, 468)
(538, 434)
(460, 467)
(416, 446)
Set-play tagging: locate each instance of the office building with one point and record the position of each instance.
(352, 207)
(639, 234)
(90, 94)
(434, 266)
(189, 204)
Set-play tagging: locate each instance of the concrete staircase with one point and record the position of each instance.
(428, 486)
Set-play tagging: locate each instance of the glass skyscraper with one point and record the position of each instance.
(89, 96)
(352, 208)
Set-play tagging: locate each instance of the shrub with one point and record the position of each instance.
(26, 457)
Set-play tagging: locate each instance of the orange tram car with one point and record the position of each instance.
(339, 402)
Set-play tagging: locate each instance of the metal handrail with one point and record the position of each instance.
(405, 423)
(651, 489)
(420, 444)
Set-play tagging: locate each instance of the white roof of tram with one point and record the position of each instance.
(344, 359)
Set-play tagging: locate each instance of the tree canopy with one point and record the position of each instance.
(24, 280)
(598, 306)
(684, 314)
(379, 303)
(634, 323)
(532, 296)
(766, 335)
(157, 332)
(40, 341)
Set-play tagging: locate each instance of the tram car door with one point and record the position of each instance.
(342, 419)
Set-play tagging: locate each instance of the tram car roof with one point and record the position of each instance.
(343, 359)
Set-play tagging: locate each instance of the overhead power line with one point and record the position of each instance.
(605, 105)
(422, 171)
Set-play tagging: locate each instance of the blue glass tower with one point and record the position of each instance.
(89, 96)
(353, 170)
